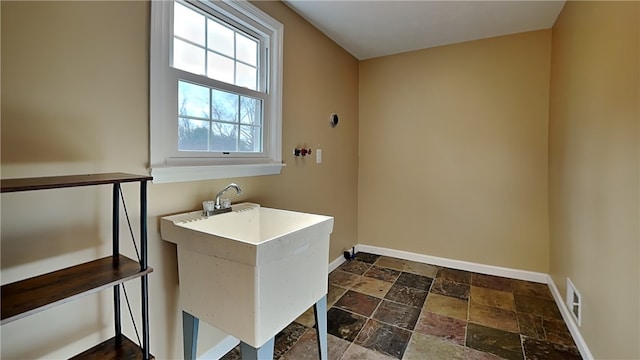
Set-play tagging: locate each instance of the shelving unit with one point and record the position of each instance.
(39, 293)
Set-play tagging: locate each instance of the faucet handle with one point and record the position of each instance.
(208, 207)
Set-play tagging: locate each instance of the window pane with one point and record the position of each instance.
(246, 76)
(250, 111)
(246, 49)
(219, 38)
(224, 137)
(188, 57)
(250, 139)
(224, 106)
(188, 24)
(193, 100)
(193, 135)
(220, 68)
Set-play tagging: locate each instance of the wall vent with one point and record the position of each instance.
(574, 302)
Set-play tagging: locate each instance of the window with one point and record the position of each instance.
(216, 88)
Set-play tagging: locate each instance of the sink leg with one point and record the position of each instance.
(320, 313)
(248, 352)
(189, 335)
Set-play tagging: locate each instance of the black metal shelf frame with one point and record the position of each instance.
(143, 264)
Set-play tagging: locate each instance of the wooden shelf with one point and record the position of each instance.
(113, 350)
(29, 296)
(56, 182)
(26, 297)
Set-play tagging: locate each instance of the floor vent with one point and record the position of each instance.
(574, 302)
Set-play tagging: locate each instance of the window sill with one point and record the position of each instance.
(171, 174)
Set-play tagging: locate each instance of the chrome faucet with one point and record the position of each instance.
(235, 186)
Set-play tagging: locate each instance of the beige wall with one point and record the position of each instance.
(75, 100)
(593, 170)
(453, 151)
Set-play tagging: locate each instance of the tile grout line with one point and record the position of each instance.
(393, 283)
(370, 318)
(378, 305)
(412, 331)
(466, 328)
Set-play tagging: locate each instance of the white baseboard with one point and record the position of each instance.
(568, 319)
(457, 264)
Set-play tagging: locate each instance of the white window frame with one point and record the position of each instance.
(167, 165)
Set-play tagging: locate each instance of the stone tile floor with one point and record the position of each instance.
(383, 308)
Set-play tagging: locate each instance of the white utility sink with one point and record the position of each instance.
(252, 271)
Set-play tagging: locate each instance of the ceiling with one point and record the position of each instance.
(369, 29)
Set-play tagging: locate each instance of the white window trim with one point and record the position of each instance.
(164, 167)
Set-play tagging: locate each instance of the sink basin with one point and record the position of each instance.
(252, 271)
